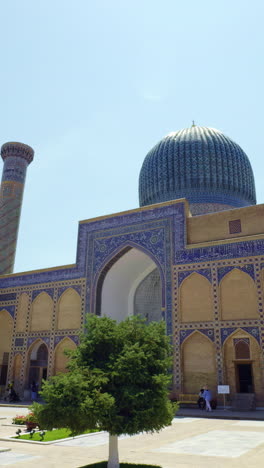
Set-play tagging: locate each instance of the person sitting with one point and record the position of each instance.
(201, 400)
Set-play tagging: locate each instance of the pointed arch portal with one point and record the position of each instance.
(129, 284)
(37, 363)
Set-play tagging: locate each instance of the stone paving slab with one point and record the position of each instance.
(88, 441)
(256, 415)
(149, 448)
(217, 444)
(12, 457)
(3, 449)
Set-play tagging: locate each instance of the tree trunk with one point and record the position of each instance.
(113, 460)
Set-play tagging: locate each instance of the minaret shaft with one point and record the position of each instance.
(17, 157)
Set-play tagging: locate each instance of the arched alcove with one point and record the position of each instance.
(238, 296)
(243, 363)
(198, 363)
(69, 310)
(42, 310)
(147, 297)
(37, 364)
(17, 365)
(118, 284)
(6, 330)
(61, 360)
(196, 303)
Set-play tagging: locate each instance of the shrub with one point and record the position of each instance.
(31, 418)
(19, 419)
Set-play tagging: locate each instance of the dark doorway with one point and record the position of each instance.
(244, 378)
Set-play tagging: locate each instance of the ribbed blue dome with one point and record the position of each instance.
(200, 164)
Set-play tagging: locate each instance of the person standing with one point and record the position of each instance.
(208, 397)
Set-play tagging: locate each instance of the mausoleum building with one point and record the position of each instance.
(192, 254)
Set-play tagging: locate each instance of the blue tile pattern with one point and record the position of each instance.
(75, 287)
(31, 340)
(206, 272)
(19, 342)
(59, 338)
(7, 297)
(209, 332)
(200, 164)
(249, 269)
(49, 291)
(10, 309)
(226, 332)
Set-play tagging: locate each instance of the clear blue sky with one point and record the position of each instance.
(92, 85)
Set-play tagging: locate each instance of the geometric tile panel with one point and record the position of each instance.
(249, 269)
(209, 332)
(226, 332)
(10, 309)
(204, 272)
(19, 341)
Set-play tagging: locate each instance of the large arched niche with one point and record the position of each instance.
(42, 310)
(121, 285)
(37, 363)
(6, 330)
(231, 361)
(17, 366)
(196, 303)
(69, 310)
(238, 296)
(198, 363)
(61, 359)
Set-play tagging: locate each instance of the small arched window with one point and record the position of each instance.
(242, 350)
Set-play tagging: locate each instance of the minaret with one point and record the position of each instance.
(16, 157)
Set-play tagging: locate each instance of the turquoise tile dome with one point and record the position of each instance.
(200, 164)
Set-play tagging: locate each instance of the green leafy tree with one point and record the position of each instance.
(117, 381)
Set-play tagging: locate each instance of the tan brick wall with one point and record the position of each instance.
(42, 309)
(196, 299)
(215, 226)
(61, 359)
(16, 370)
(238, 296)
(6, 330)
(69, 310)
(255, 359)
(198, 363)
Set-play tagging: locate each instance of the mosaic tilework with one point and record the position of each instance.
(249, 269)
(31, 340)
(49, 291)
(224, 251)
(10, 309)
(77, 288)
(184, 274)
(7, 297)
(205, 331)
(22, 341)
(150, 231)
(58, 339)
(200, 164)
(226, 332)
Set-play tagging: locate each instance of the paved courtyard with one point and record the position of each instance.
(189, 443)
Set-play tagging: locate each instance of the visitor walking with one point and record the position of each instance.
(208, 397)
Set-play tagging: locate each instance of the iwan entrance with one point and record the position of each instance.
(244, 378)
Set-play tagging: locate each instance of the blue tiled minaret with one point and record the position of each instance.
(16, 157)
